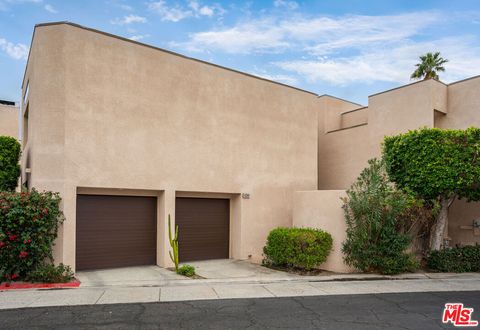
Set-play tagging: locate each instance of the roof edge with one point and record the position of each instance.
(407, 85)
(339, 98)
(463, 80)
(159, 49)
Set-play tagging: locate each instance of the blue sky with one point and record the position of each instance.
(348, 49)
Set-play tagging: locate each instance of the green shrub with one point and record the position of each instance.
(455, 260)
(9, 166)
(304, 248)
(28, 227)
(186, 270)
(436, 164)
(375, 213)
(51, 274)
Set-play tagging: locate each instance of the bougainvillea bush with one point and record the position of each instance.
(29, 223)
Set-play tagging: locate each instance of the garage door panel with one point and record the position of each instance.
(203, 228)
(115, 231)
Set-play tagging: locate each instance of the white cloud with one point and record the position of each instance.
(346, 49)
(129, 19)
(292, 5)
(4, 4)
(244, 39)
(319, 35)
(172, 14)
(390, 64)
(206, 11)
(16, 51)
(50, 9)
(177, 13)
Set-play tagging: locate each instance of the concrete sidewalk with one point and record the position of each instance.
(205, 290)
(218, 272)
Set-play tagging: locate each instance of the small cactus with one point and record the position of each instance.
(174, 244)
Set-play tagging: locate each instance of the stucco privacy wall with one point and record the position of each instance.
(323, 209)
(343, 153)
(110, 114)
(9, 121)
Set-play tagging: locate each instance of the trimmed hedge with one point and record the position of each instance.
(28, 228)
(455, 260)
(304, 248)
(9, 166)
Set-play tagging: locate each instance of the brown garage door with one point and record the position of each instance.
(203, 228)
(115, 231)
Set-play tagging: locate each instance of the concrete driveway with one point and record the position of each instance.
(211, 270)
(238, 270)
(131, 276)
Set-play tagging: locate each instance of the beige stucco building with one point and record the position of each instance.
(350, 135)
(129, 134)
(9, 117)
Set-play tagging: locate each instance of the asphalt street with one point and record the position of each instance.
(367, 311)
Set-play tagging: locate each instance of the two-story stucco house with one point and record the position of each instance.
(129, 134)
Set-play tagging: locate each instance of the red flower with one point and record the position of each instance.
(45, 211)
(2, 244)
(23, 254)
(14, 276)
(12, 237)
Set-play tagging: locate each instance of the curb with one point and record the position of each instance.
(262, 281)
(23, 286)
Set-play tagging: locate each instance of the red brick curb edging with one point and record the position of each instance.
(23, 285)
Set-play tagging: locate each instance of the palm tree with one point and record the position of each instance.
(429, 66)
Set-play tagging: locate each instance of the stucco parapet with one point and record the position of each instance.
(464, 80)
(408, 85)
(159, 49)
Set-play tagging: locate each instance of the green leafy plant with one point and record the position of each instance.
(456, 260)
(173, 244)
(429, 66)
(9, 166)
(28, 228)
(186, 270)
(304, 248)
(375, 215)
(436, 164)
(51, 274)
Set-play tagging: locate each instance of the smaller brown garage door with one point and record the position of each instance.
(203, 228)
(115, 231)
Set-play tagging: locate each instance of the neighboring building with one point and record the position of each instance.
(129, 134)
(9, 113)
